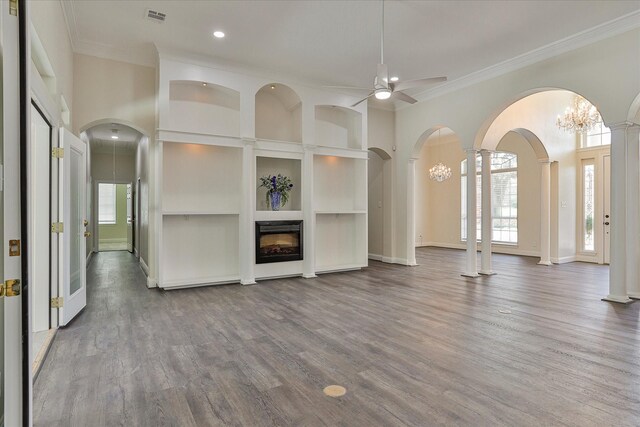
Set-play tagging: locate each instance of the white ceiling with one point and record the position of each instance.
(101, 141)
(338, 42)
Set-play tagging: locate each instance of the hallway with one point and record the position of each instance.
(532, 345)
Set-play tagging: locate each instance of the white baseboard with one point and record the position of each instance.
(88, 261)
(135, 252)
(375, 257)
(151, 282)
(567, 259)
(113, 240)
(144, 266)
(495, 248)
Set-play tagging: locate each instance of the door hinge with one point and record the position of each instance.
(14, 247)
(57, 227)
(57, 152)
(57, 302)
(10, 288)
(13, 7)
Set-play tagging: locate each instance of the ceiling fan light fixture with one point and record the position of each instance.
(114, 134)
(394, 79)
(382, 93)
(218, 34)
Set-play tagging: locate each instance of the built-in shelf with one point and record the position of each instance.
(338, 127)
(341, 241)
(277, 215)
(278, 113)
(340, 184)
(289, 167)
(187, 213)
(341, 212)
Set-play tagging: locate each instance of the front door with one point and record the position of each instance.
(73, 260)
(606, 207)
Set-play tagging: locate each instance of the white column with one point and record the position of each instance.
(472, 245)
(247, 209)
(617, 266)
(487, 214)
(411, 214)
(545, 212)
(633, 211)
(309, 215)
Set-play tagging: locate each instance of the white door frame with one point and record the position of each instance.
(95, 203)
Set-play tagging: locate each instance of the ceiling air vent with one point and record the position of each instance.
(156, 16)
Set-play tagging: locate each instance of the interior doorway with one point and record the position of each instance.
(115, 216)
(40, 184)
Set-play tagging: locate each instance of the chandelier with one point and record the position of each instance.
(582, 117)
(440, 172)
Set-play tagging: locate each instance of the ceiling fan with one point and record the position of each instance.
(383, 87)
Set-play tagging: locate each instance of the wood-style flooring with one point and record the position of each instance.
(415, 346)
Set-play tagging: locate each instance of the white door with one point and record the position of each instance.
(14, 335)
(73, 280)
(606, 208)
(129, 218)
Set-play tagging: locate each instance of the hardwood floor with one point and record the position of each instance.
(413, 346)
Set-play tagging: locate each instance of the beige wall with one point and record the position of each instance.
(106, 89)
(116, 233)
(376, 203)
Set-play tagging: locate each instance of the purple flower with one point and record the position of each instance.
(273, 182)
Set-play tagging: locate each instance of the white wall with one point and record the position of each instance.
(102, 167)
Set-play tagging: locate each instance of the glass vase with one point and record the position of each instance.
(275, 198)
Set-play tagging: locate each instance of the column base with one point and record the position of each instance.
(472, 275)
(617, 299)
(634, 295)
(309, 276)
(487, 273)
(248, 282)
(545, 262)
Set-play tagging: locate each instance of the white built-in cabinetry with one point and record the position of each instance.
(218, 132)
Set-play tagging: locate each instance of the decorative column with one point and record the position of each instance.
(411, 213)
(472, 245)
(487, 213)
(309, 215)
(633, 211)
(247, 209)
(617, 266)
(545, 212)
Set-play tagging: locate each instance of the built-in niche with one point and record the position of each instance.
(338, 127)
(201, 107)
(340, 184)
(273, 166)
(278, 113)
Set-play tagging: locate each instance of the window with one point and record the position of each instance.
(588, 204)
(504, 197)
(106, 203)
(600, 135)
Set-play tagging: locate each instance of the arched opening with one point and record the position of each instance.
(203, 107)
(117, 184)
(379, 170)
(436, 197)
(278, 113)
(338, 127)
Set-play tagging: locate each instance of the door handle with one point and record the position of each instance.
(85, 222)
(606, 216)
(87, 234)
(606, 223)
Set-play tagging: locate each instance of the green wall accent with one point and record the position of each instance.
(113, 233)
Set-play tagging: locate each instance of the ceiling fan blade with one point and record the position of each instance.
(348, 87)
(404, 97)
(418, 82)
(362, 100)
(382, 77)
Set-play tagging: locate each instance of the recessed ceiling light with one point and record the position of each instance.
(204, 84)
(218, 34)
(272, 86)
(114, 136)
(394, 79)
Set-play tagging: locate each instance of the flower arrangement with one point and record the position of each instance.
(278, 188)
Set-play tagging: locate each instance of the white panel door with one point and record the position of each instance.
(606, 178)
(129, 217)
(73, 172)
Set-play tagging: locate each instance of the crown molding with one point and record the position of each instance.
(70, 19)
(584, 38)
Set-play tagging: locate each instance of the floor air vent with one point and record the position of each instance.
(156, 16)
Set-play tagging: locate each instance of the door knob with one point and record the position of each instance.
(85, 222)
(87, 234)
(606, 223)
(606, 216)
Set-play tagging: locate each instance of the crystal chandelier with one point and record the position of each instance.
(582, 117)
(440, 172)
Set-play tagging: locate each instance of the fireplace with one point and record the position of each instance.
(278, 241)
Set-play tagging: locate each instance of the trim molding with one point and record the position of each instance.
(144, 266)
(568, 259)
(151, 283)
(89, 258)
(497, 249)
(584, 38)
(375, 257)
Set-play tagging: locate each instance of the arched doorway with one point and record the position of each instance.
(380, 210)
